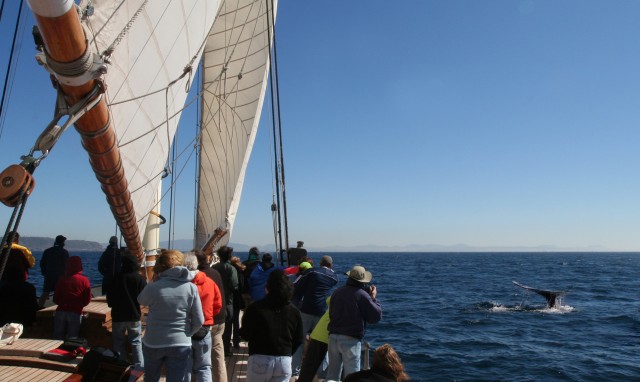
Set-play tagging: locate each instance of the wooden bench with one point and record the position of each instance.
(39, 363)
(95, 327)
(23, 374)
(29, 347)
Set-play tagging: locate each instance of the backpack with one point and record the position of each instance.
(102, 364)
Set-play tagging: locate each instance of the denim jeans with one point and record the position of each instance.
(174, 358)
(200, 364)
(218, 363)
(263, 368)
(128, 332)
(344, 352)
(66, 324)
(309, 322)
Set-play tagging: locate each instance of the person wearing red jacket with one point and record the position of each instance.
(211, 300)
(72, 294)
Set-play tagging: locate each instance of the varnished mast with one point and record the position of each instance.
(65, 42)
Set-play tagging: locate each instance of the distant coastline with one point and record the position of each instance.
(186, 245)
(35, 243)
(42, 243)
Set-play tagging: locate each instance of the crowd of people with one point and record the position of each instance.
(297, 321)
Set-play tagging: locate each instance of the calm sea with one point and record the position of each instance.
(458, 317)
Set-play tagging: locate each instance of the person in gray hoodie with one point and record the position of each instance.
(175, 314)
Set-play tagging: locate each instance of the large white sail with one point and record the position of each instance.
(153, 49)
(236, 63)
(152, 43)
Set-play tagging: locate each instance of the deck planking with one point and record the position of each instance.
(237, 364)
(22, 374)
(28, 347)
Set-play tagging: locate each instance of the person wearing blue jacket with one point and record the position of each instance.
(258, 278)
(175, 314)
(353, 306)
(312, 288)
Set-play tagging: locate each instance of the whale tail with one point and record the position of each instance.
(549, 295)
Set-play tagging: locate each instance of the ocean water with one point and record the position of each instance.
(459, 317)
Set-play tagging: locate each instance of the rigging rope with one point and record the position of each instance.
(274, 66)
(276, 136)
(197, 148)
(107, 52)
(172, 184)
(9, 72)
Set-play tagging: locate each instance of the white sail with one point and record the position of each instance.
(152, 42)
(236, 63)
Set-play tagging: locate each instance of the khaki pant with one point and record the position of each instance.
(218, 364)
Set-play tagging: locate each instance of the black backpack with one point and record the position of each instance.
(102, 364)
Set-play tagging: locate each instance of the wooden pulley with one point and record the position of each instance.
(11, 181)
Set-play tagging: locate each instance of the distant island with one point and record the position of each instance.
(41, 243)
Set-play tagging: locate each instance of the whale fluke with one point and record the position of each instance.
(549, 295)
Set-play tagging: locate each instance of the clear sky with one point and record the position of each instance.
(489, 123)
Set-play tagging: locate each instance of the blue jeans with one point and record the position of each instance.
(309, 322)
(66, 324)
(200, 364)
(174, 358)
(344, 352)
(262, 368)
(128, 332)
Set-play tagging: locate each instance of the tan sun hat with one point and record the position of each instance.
(360, 274)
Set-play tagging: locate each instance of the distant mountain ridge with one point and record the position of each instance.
(35, 243)
(41, 243)
(186, 245)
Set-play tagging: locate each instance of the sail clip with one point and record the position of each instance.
(53, 131)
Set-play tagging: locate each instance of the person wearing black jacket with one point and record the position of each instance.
(52, 266)
(18, 301)
(218, 364)
(273, 328)
(109, 264)
(122, 297)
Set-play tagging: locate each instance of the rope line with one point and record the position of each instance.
(10, 74)
(107, 52)
(162, 172)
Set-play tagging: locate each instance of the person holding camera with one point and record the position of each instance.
(352, 307)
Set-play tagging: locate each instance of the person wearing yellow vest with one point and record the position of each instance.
(315, 358)
(20, 258)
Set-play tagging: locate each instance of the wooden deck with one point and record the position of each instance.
(23, 374)
(22, 361)
(237, 364)
(96, 328)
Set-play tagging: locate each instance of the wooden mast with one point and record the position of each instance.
(65, 42)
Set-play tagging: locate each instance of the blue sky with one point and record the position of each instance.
(489, 123)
